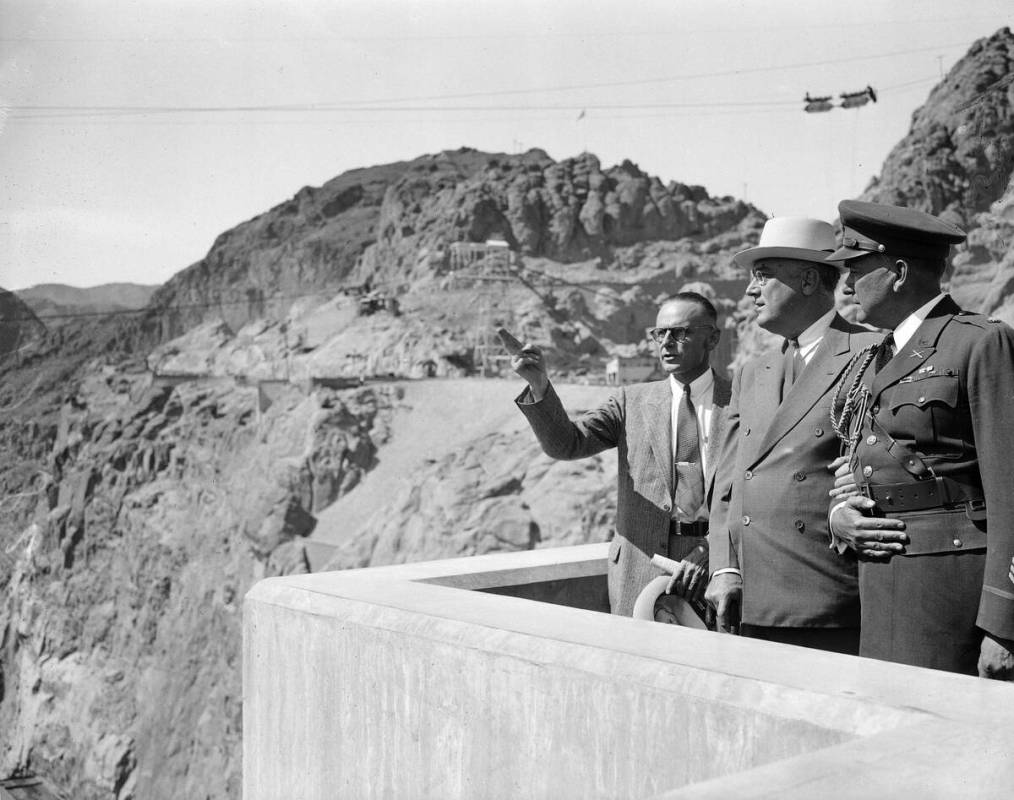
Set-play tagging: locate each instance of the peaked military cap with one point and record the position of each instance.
(892, 230)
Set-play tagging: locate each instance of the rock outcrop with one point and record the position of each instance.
(151, 512)
(19, 326)
(957, 161)
(393, 224)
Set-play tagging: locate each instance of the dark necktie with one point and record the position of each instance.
(689, 473)
(885, 352)
(793, 364)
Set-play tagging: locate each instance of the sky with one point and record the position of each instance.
(133, 133)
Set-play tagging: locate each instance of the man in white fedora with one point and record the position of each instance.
(773, 572)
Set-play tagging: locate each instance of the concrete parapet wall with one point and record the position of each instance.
(432, 680)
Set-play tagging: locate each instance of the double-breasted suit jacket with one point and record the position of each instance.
(947, 397)
(637, 421)
(770, 514)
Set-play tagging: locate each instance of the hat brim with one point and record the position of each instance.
(747, 258)
(843, 254)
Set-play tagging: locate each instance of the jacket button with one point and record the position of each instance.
(746, 519)
(800, 476)
(818, 431)
(746, 432)
(663, 545)
(871, 439)
(922, 399)
(800, 525)
(957, 542)
(748, 474)
(867, 471)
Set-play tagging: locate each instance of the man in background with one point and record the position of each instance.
(665, 433)
(773, 572)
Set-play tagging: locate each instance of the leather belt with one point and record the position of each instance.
(698, 528)
(921, 495)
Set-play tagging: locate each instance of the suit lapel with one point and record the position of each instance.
(766, 394)
(658, 427)
(918, 349)
(828, 361)
(721, 395)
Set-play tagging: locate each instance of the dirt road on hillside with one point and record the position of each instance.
(434, 418)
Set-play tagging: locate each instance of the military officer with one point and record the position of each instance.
(925, 415)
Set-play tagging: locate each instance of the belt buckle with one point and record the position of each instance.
(680, 528)
(975, 510)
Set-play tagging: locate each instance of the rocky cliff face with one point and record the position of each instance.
(149, 512)
(393, 225)
(567, 211)
(958, 161)
(152, 478)
(18, 324)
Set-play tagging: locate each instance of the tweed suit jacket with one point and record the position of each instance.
(769, 517)
(637, 421)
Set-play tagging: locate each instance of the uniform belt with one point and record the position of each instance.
(921, 495)
(698, 528)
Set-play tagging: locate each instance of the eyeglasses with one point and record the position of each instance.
(760, 278)
(679, 335)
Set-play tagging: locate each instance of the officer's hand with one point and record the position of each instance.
(844, 481)
(691, 576)
(996, 658)
(531, 365)
(873, 538)
(725, 595)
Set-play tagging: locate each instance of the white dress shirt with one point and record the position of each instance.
(810, 339)
(906, 330)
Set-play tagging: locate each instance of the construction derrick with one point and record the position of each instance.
(487, 268)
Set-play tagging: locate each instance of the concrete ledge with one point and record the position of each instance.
(431, 680)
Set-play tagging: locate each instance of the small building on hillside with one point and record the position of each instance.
(631, 369)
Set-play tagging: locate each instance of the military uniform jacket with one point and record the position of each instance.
(638, 423)
(770, 513)
(948, 396)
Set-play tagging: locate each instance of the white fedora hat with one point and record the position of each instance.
(801, 238)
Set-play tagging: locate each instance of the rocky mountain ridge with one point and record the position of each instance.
(957, 161)
(56, 303)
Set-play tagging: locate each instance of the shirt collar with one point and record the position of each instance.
(816, 331)
(698, 385)
(911, 323)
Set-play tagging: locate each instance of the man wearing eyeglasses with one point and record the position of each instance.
(666, 434)
(773, 570)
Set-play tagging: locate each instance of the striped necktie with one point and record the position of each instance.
(689, 471)
(792, 364)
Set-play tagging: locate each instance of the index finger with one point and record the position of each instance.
(884, 527)
(834, 465)
(511, 344)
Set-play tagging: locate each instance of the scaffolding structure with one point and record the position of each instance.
(485, 267)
